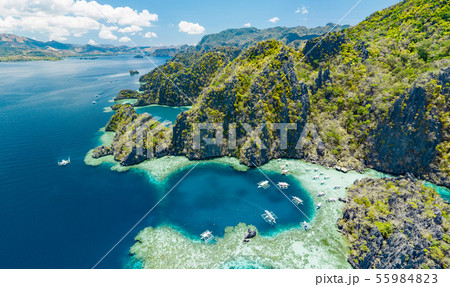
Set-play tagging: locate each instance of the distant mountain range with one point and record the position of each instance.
(16, 48)
(245, 37)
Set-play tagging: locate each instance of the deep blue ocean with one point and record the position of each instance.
(69, 217)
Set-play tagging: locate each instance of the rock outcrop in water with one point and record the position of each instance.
(126, 94)
(137, 138)
(396, 224)
(101, 151)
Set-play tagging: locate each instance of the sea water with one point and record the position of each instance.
(69, 217)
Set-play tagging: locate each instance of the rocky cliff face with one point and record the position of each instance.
(396, 223)
(137, 138)
(323, 48)
(180, 81)
(245, 95)
(407, 140)
(370, 99)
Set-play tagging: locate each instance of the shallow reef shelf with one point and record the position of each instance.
(321, 247)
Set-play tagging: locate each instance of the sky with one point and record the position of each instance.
(168, 22)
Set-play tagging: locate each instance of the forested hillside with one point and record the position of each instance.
(377, 95)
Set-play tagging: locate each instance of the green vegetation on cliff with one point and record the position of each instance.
(180, 81)
(396, 223)
(376, 95)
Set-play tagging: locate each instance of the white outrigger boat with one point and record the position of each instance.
(207, 236)
(331, 199)
(94, 102)
(316, 169)
(296, 200)
(264, 184)
(284, 171)
(322, 182)
(269, 217)
(316, 177)
(64, 162)
(337, 187)
(326, 177)
(283, 185)
(319, 205)
(320, 194)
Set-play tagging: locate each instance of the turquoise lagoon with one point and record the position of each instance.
(54, 217)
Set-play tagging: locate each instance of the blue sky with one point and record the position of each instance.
(167, 22)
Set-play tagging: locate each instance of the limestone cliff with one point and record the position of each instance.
(396, 223)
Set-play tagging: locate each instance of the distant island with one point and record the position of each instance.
(15, 48)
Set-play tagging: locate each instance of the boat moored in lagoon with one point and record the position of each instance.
(207, 236)
(296, 200)
(283, 185)
(284, 171)
(269, 217)
(264, 184)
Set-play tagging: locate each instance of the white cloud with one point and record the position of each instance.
(247, 25)
(106, 33)
(8, 24)
(59, 19)
(131, 29)
(92, 42)
(150, 35)
(124, 39)
(190, 28)
(274, 19)
(122, 15)
(302, 10)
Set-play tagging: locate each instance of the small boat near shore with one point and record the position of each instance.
(297, 200)
(319, 205)
(305, 225)
(264, 184)
(207, 236)
(283, 185)
(269, 217)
